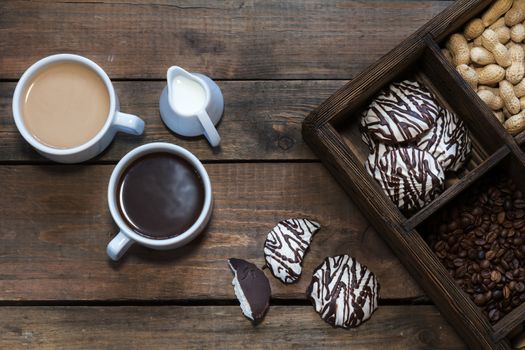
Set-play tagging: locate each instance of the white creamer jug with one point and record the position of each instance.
(191, 105)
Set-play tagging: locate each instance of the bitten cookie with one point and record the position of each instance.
(402, 112)
(409, 176)
(448, 141)
(343, 291)
(251, 287)
(286, 245)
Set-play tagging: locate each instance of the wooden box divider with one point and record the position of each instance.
(332, 132)
(455, 189)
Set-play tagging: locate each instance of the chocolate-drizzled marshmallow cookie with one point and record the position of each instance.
(286, 245)
(343, 291)
(401, 113)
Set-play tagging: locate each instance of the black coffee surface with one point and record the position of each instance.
(160, 195)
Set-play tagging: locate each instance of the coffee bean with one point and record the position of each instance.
(518, 224)
(452, 226)
(458, 262)
(509, 276)
(515, 263)
(506, 292)
(464, 244)
(485, 264)
(491, 237)
(512, 285)
(490, 255)
(485, 274)
(501, 217)
(479, 299)
(461, 271)
(494, 315)
(519, 203)
(475, 267)
(481, 242)
(495, 276)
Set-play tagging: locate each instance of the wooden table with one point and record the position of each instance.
(275, 61)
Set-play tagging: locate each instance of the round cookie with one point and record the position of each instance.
(409, 176)
(401, 113)
(343, 291)
(448, 141)
(286, 245)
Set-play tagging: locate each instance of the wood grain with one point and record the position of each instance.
(262, 120)
(235, 39)
(218, 327)
(56, 224)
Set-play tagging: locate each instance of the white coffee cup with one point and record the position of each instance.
(126, 237)
(116, 120)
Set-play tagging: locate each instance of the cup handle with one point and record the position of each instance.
(209, 129)
(129, 123)
(118, 246)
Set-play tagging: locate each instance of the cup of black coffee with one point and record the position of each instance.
(160, 196)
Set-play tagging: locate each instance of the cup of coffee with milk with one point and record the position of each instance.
(65, 106)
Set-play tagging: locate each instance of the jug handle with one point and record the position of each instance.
(210, 131)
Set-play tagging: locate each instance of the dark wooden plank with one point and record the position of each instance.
(218, 327)
(55, 226)
(255, 39)
(262, 120)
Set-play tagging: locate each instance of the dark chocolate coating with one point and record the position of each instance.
(255, 286)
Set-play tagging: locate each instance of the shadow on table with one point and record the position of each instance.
(139, 253)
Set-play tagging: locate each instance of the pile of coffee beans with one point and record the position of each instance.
(480, 239)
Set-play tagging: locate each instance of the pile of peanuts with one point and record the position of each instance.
(489, 55)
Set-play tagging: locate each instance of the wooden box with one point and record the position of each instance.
(332, 132)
